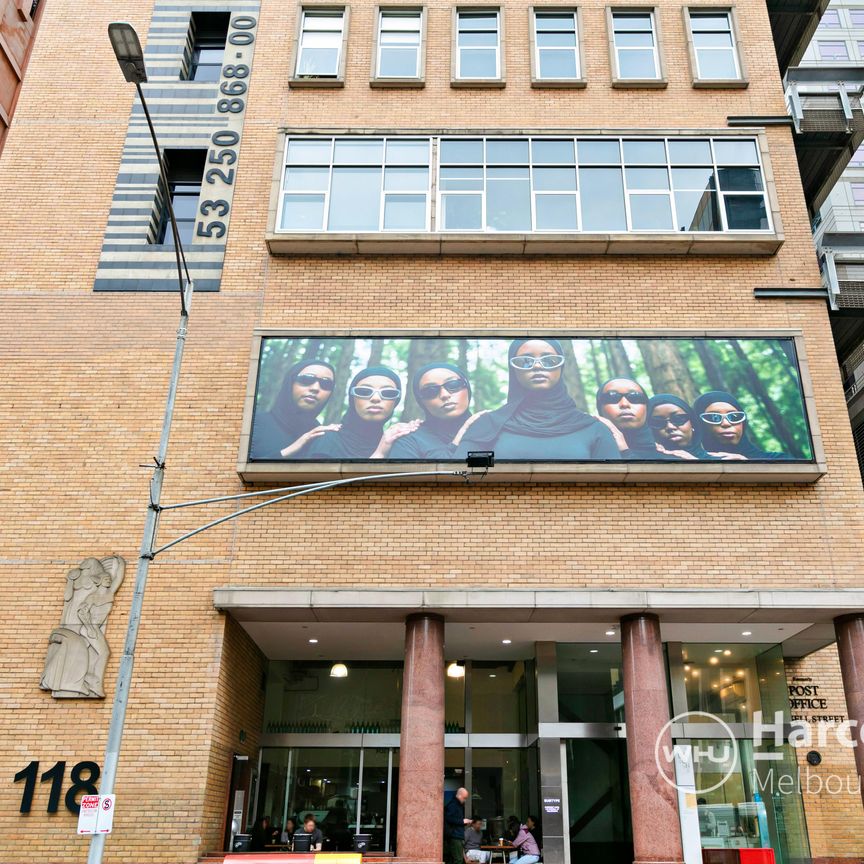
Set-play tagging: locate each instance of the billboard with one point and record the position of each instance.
(537, 398)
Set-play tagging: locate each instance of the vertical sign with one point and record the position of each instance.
(88, 817)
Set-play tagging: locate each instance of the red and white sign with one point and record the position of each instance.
(97, 814)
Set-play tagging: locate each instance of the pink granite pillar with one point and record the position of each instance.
(653, 801)
(850, 647)
(419, 830)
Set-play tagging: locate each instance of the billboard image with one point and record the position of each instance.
(539, 398)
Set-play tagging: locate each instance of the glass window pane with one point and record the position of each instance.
(309, 151)
(355, 199)
(483, 39)
(637, 63)
(207, 72)
(590, 685)
(740, 179)
(499, 785)
(716, 21)
(651, 212)
(405, 212)
(318, 61)
(697, 211)
(555, 179)
(498, 696)
(741, 152)
(746, 212)
(399, 38)
(508, 204)
(555, 21)
(478, 21)
(315, 179)
(507, 152)
(689, 152)
(185, 206)
(461, 151)
(602, 199)
(693, 178)
(461, 179)
(556, 212)
(478, 63)
(631, 21)
(409, 21)
(303, 212)
(644, 153)
(556, 40)
(401, 152)
(712, 40)
(398, 63)
(717, 64)
(647, 178)
(558, 64)
(406, 179)
(597, 152)
(553, 152)
(322, 20)
(353, 151)
(634, 40)
(462, 212)
(513, 173)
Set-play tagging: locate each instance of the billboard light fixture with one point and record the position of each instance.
(480, 459)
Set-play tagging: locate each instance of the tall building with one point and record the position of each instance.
(577, 236)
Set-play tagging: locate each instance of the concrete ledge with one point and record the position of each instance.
(469, 243)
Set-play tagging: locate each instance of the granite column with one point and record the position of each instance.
(850, 648)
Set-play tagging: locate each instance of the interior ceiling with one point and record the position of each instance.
(283, 640)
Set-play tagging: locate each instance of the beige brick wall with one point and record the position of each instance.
(84, 380)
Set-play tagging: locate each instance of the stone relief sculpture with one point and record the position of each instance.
(77, 649)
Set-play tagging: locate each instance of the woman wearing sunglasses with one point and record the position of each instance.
(285, 430)
(539, 420)
(673, 424)
(724, 428)
(622, 404)
(373, 395)
(443, 392)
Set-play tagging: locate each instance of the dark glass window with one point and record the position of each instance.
(185, 170)
(209, 31)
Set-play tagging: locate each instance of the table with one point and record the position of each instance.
(503, 851)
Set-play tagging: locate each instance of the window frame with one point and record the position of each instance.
(741, 82)
(456, 80)
(580, 81)
(658, 82)
(337, 80)
(821, 42)
(375, 78)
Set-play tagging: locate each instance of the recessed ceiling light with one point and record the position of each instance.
(506, 641)
(686, 668)
(718, 650)
(610, 632)
(727, 653)
(695, 673)
(746, 632)
(593, 651)
(492, 675)
(713, 660)
(313, 641)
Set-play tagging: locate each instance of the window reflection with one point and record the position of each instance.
(590, 686)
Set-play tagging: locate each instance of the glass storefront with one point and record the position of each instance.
(590, 686)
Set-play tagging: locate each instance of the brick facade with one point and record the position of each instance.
(85, 377)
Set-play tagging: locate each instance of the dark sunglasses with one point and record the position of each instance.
(306, 379)
(715, 418)
(387, 393)
(431, 391)
(678, 420)
(613, 397)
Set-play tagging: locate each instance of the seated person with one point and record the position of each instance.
(473, 842)
(316, 838)
(527, 850)
(286, 838)
(263, 835)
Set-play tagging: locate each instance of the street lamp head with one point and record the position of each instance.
(127, 48)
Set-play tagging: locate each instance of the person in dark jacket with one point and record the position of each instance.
(286, 429)
(373, 396)
(622, 404)
(454, 827)
(724, 428)
(443, 392)
(675, 427)
(539, 420)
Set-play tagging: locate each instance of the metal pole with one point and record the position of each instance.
(127, 661)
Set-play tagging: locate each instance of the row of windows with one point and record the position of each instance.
(525, 184)
(835, 49)
(478, 45)
(831, 18)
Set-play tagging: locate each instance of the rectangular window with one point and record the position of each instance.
(635, 41)
(832, 50)
(320, 50)
(556, 45)
(830, 19)
(478, 45)
(399, 43)
(714, 45)
(555, 184)
(185, 170)
(208, 32)
(856, 16)
(857, 160)
(858, 193)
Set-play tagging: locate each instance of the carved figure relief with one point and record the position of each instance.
(77, 650)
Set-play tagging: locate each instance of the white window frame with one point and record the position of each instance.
(458, 12)
(693, 14)
(413, 11)
(340, 12)
(821, 42)
(651, 13)
(537, 78)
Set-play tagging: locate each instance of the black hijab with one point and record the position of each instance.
(546, 414)
(358, 438)
(639, 441)
(695, 446)
(745, 446)
(443, 428)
